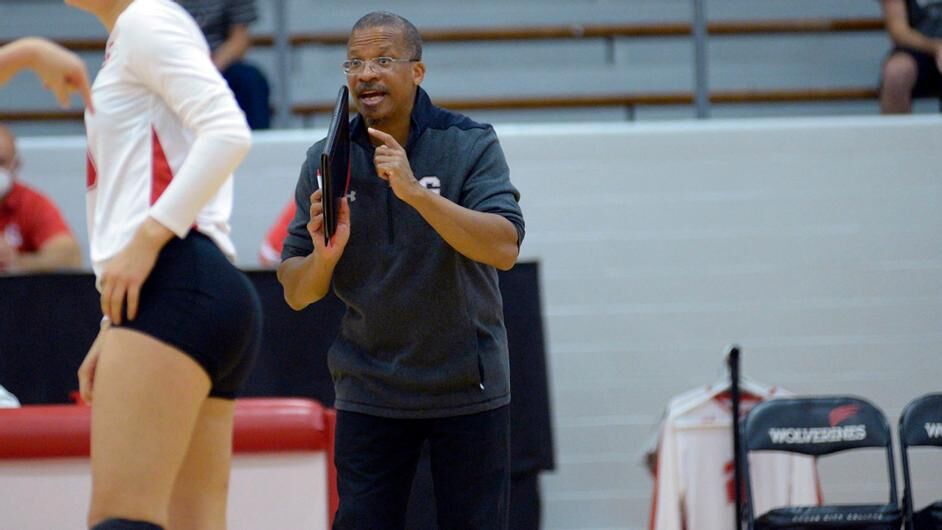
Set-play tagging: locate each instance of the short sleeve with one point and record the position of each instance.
(487, 187)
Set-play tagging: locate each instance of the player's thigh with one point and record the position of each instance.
(199, 495)
(147, 397)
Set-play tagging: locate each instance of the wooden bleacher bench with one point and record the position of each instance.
(628, 100)
(574, 31)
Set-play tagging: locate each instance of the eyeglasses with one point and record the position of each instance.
(377, 64)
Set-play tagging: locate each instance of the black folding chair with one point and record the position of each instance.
(920, 426)
(819, 426)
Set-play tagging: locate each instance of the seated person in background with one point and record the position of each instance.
(225, 23)
(913, 66)
(269, 254)
(33, 235)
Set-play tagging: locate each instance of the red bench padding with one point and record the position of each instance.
(261, 426)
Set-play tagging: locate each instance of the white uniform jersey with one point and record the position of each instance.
(165, 135)
(694, 487)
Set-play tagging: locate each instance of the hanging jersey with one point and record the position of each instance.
(165, 136)
(694, 485)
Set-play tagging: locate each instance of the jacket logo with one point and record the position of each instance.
(431, 183)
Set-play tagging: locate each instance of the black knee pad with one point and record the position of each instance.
(124, 524)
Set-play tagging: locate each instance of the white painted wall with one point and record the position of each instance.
(814, 243)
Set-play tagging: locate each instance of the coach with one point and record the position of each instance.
(422, 351)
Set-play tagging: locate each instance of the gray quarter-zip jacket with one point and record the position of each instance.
(423, 334)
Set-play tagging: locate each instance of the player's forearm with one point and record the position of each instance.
(215, 154)
(14, 57)
(304, 280)
(60, 253)
(484, 237)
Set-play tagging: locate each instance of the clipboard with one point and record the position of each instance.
(334, 172)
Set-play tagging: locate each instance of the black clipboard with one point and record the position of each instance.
(335, 163)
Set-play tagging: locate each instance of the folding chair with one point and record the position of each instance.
(819, 426)
(920, 425)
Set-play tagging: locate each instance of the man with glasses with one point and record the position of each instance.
(422, 351)
(33, 235)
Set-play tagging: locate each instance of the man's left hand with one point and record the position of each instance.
(392, 165)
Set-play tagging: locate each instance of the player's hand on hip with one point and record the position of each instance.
(125, 274)
(315, 227)
(392, 165)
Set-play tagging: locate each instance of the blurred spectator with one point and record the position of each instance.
(912, 67)
(225, 23)
(33, 235)
(269, 254)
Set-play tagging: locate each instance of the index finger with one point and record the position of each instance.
(387, 139)
(80, 82)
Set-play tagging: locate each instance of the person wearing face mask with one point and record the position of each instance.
(33, 235)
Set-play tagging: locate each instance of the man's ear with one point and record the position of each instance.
(418, 72)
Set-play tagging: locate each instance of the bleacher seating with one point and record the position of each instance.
(635, 62)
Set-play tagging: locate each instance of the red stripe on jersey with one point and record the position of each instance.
(91, 173)
(161, 174)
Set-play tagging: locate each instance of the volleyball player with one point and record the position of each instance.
(181, 322)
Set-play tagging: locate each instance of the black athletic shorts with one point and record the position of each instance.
(928, 79)
(198, 302)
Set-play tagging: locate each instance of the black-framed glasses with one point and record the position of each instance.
(377, 64)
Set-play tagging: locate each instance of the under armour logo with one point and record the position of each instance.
(431, 183)
(351, 196)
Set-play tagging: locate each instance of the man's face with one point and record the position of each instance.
(383, 93)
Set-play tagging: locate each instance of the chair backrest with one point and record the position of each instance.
(919, 425)
(816, 426)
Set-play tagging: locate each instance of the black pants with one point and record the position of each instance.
(376, 461)
(525, 504)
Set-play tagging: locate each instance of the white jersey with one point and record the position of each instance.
(165, 135)
(694, 487)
